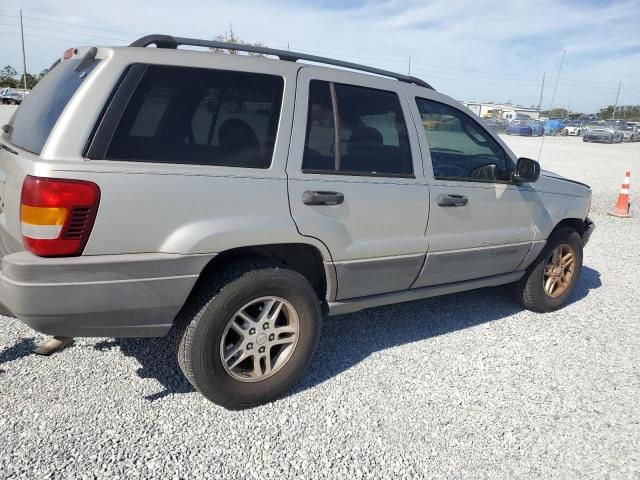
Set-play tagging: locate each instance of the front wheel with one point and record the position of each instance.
(551, 280)
(249, 335)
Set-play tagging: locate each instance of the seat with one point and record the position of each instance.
(364, 140)
(239, 143)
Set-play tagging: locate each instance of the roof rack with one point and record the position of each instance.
(167, 41)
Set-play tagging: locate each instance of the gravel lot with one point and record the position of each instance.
(464, 386)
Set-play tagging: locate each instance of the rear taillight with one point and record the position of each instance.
(57, 215)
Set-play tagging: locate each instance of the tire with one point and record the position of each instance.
(530, 291)
(206, 320)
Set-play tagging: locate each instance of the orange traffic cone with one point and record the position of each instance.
(623, 206)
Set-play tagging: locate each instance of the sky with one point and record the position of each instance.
(482, 50)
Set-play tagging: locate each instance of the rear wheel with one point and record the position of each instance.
(248, 336)
(551, 280)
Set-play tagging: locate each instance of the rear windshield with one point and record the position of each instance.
(39, 112)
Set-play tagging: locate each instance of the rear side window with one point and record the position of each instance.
(371, 134)
(200, 116)
(41, 109)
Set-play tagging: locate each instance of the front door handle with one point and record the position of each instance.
(322, 198)
(451, 200)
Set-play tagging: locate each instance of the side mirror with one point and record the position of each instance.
(527, 170)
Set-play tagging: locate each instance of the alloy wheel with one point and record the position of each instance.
(559, 270)
(259, 339)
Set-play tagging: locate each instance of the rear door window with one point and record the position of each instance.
(200, 116)
(372, 134)
(40, 110)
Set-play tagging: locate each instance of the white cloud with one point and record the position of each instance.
(489, 50)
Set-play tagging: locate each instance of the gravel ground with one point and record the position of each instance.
(463, 386)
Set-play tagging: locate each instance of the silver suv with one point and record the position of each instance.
(240, 199)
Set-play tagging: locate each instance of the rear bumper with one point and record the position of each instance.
(134, 295)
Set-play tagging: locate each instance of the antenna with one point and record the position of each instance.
(553, 97)
(24, 58)
(616, 104)
(541, 90)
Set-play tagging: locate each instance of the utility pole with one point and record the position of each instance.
(24, 58)
(409, 70)
(616, 104)
(541, 90)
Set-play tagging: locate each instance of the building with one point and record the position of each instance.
(505, 111)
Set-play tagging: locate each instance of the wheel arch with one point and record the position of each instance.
(306, 259)
(576, 224)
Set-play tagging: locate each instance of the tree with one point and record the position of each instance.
(31, 81)
(629, 113)
(555, 113)
(8, 77)
(229, 37)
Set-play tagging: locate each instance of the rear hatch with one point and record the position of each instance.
(23, 138)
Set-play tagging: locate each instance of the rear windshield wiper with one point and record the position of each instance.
(88, 58)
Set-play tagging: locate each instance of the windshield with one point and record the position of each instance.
(34, 119)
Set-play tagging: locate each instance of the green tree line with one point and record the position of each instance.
(10, 77)
(629, 113)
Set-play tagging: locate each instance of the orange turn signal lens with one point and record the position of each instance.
(43, 215)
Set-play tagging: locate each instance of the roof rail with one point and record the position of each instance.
(167, 41)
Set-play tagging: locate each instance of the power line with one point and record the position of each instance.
(89, 27)
(441, 68)
(48, 37)
(79, 33)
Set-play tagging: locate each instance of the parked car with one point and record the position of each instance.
(211, 194)
(11, 96)
(629, 134)
(602, 135)
(572, 129)
(553, 126)
(496, 125)
(526, 128)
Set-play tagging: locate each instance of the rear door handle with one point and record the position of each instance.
(322, 198)
(451, 200)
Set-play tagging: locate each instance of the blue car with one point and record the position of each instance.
(553, 126)
(526, 128)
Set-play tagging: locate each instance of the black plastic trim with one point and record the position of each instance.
(478, 180)
(113, 111)
(356, 174)
(167, 41)
(88, 58)
(160, 41)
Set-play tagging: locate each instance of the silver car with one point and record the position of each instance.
(240, 199)
(603, 135)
